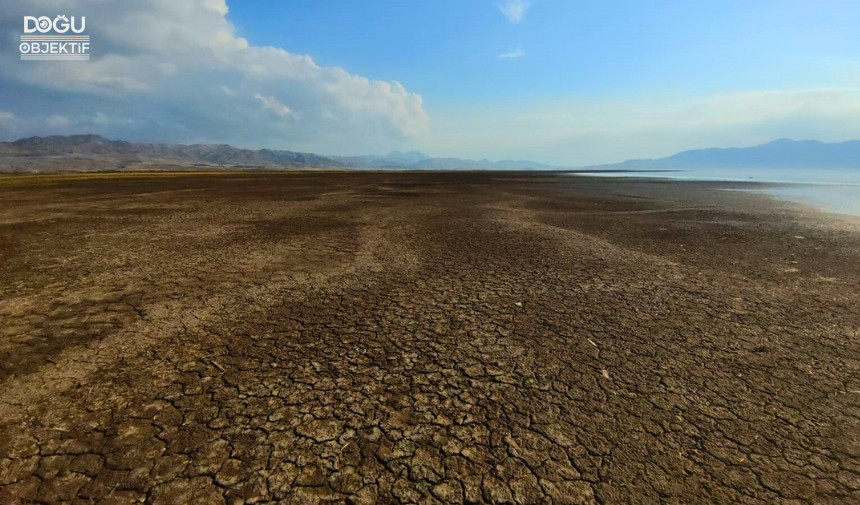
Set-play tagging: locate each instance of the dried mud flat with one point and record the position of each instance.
(422, 337)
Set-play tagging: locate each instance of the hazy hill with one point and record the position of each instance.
(453, 163)
(783, 153)
(93, 152)
(420, 161)
(411, 156)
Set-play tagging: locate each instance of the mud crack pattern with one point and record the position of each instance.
(422, 338)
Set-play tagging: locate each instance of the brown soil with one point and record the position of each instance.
(423, 337)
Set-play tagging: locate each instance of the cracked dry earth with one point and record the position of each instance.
(393, 338)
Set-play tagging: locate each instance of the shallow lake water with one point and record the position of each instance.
(829, 190)
(842, 199)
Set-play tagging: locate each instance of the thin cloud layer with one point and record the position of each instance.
(170, 70)
(585, 132)
(512, 54)
(514, 10)
(273, 104)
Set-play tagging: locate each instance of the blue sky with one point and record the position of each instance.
(572, 48)
(571, 82)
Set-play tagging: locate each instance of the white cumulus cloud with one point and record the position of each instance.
(178, 71)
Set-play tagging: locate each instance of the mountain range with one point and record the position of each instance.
(93, 152)
(96, 152)
(782, 153)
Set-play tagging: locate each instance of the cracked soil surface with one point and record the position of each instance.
(423, 337)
